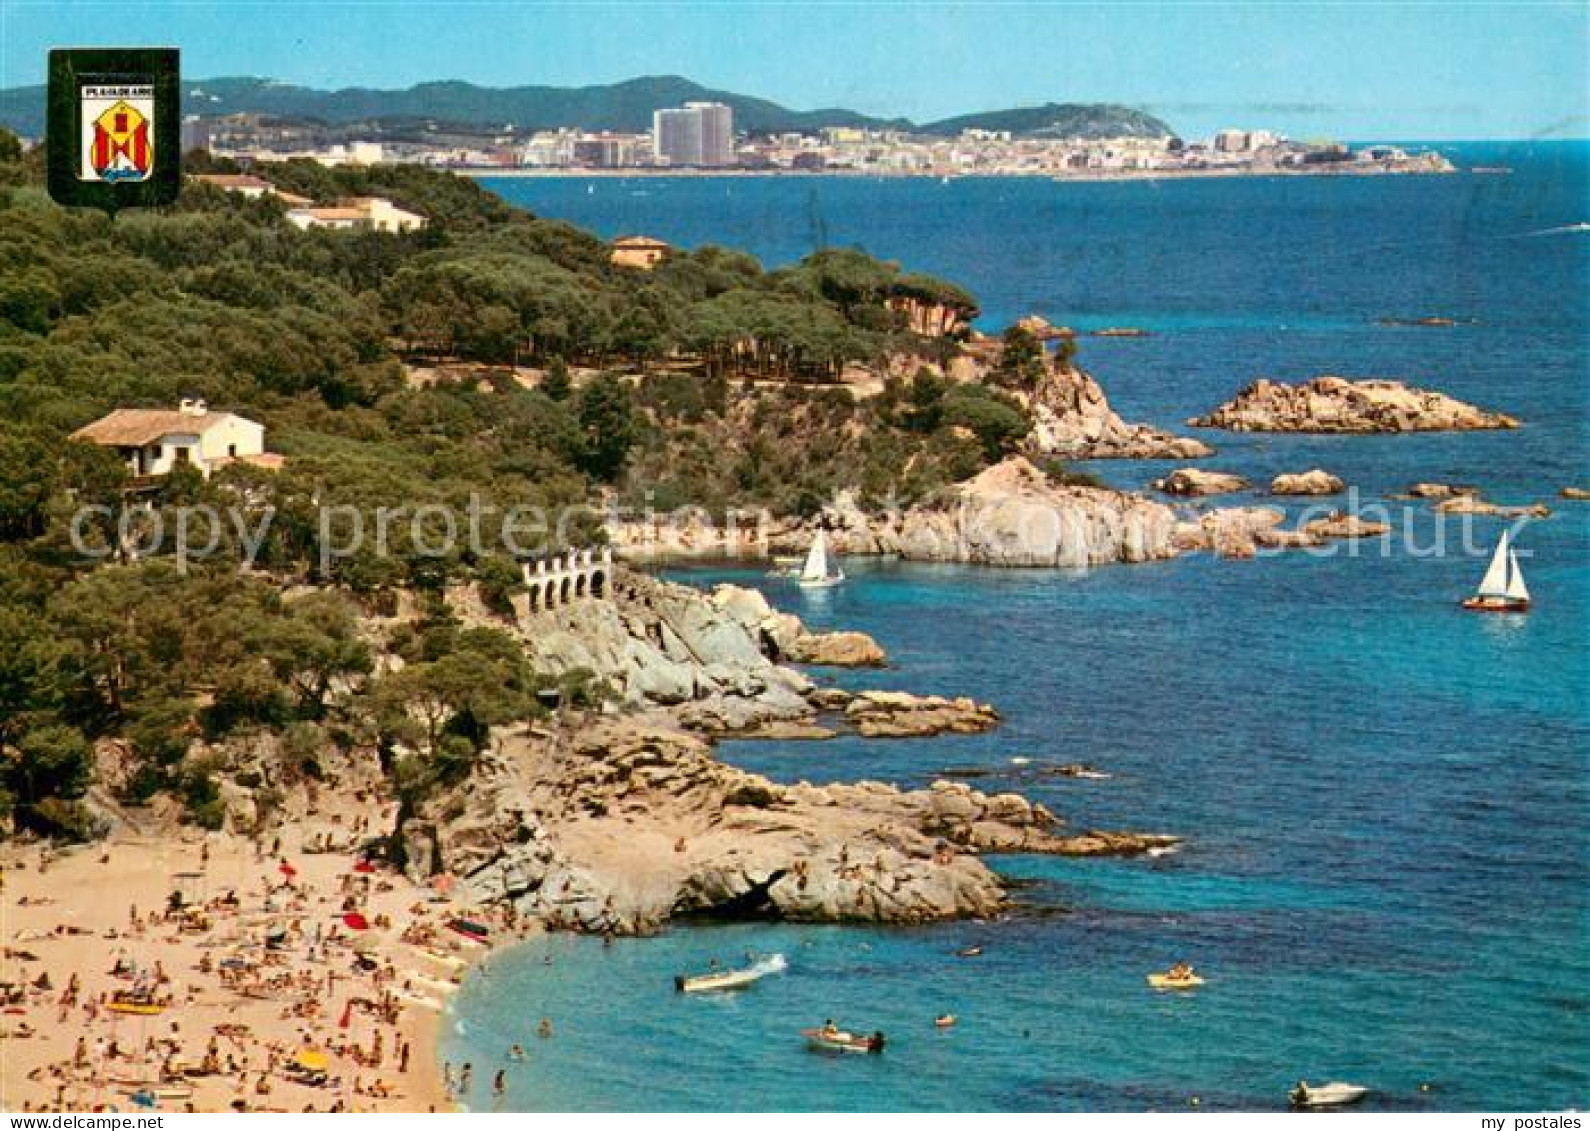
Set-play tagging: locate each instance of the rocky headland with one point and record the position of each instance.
(622, 820)
(1336, 404)
(623, 824)
(1073, 419)
(1011, 514)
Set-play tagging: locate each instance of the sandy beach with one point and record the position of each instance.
(261, 993)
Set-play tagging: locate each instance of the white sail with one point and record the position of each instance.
(1494, 583)
(816, 567)
(1516, 589)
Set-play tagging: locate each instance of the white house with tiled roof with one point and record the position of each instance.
(244, 184)
(154, 441)
(358, 212)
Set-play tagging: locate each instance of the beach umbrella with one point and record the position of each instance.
(287, 869)
(312, 1060)
(364, 867)
(355, 921)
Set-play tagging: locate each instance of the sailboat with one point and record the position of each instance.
(1502, 589)
(817, 573)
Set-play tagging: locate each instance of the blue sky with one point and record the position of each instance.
(1343, 69)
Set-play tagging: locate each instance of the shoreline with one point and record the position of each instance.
(236, 1011)
(1103, 176)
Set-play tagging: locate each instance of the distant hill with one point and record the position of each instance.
(623, 106)
(1059, 120)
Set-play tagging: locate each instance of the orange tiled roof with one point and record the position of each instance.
(135, 427)
(232, 180)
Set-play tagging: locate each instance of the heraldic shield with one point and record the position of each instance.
(114, 127)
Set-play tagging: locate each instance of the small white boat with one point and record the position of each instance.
(828, 1039)
(818, 573)
(1334, 1094)
(731, 979)
(1502, 589)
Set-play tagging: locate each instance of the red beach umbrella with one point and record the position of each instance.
(287, 869)
(364, 867)
(356, 921)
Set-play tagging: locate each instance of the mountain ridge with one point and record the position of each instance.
(622, 106)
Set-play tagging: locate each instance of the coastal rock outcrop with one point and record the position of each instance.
(1241, 532)
(1012, 515)
(1044, 330)
(1340, 524)
(1579, 493)
(1193, 482)
(1336, 404)
(1232, 532)
(1439, 491)
(1315, 482)
(621, 825)
(1473, 504)
(655, 643)
(785, 638)
(1073, 419)
(898, 714)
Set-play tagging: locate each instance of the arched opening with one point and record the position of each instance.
(563, 592)
(535, 598)
(579, 585)
(599, 584)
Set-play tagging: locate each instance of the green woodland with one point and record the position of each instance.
(708, 381)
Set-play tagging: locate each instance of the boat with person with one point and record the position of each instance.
(1179, 977)
(818, 572)
(1502, 589)
(715, 981)
(1334, 1094)
(830, 1038)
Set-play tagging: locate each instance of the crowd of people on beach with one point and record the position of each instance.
(254, 983)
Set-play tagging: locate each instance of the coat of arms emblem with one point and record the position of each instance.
(118, 138)
(114, 133)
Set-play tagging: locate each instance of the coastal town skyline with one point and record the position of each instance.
(1344, 71)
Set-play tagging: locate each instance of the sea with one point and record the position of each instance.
(1384, 877)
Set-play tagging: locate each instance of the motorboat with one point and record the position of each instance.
(1176, 978)
(1335, 1094)
(716, 981)
(830, 1039)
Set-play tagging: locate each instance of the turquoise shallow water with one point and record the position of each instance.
(1386, 871)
